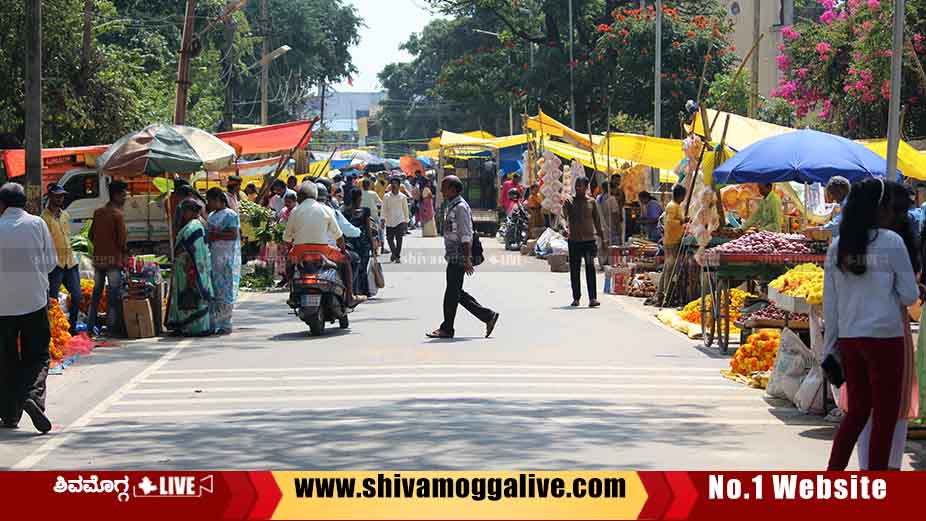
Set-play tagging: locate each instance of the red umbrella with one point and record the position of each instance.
(410, 165)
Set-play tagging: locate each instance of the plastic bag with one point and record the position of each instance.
(559, 246)
(809, 397)
(371, 279)
(791, 366)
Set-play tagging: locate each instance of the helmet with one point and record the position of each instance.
(514, 193)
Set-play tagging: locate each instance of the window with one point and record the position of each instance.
(82, 186)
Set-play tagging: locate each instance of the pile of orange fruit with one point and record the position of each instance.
(757, 354)
(60, 337)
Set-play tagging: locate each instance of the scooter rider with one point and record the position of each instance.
(349, 230)
(308, 230)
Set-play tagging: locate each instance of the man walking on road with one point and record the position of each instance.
(458, 242)
(395, 213)
(66, 271)
(27, 255)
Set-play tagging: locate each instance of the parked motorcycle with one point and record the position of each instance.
(318, 294)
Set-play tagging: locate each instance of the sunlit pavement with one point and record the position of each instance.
(554, 388)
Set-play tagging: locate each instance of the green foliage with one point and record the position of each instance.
(836, 69)
(725, 95)
(623, 122)
(129, 79)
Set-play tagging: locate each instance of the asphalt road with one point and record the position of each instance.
(554, 388)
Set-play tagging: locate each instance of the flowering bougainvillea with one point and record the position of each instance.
(836, 69)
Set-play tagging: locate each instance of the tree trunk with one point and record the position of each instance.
(86, 47)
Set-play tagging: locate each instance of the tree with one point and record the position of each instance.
(734, 97)
(320, 33)
(836, 68)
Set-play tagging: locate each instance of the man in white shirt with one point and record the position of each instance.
(27, 256)
(395, 214)
(308, 229)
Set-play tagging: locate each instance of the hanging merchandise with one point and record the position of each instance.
(703, 213)
(633, 181)
(552, 185)
(576, 171)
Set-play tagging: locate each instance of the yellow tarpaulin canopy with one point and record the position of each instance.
(549, 126)
(651, 151)
(600, 160)
(435, 142)
(449, 139)
(741, 132)
(909, 160)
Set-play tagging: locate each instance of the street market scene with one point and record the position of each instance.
(685, 234)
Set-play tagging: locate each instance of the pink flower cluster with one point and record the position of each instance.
(827, 109)
(859, 83)
(789, 33)
(823, 49)
(874, 5)
(784, 63)
(827, 17)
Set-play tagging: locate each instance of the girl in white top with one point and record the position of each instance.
(868, 278)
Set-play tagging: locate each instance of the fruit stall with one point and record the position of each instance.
(753, 260)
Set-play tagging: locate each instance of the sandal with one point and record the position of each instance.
(439, 333)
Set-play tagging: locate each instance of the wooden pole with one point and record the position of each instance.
(33, 105)
(183, 66)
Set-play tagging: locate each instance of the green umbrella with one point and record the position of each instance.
(159, 149)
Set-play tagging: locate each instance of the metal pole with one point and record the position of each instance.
(228, 69)
(572, 74)
(510, 107)
(756, 29)
(264, 63)
(183, 66)
(33, 104)
(893, 121)
(658, 79)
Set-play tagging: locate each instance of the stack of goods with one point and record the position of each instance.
(772, 313)
(86, 295)
(692, 311)
(803, 281)
(765, 243)
(642, 285)
(58, 345)
(688, 320)
(550, 175)
(757, 354)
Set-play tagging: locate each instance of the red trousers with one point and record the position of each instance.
(873, 368)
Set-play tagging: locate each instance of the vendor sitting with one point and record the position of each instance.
(650, 212)
(768, 214)
(837, 191)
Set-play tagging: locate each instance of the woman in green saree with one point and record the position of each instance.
(192, 276)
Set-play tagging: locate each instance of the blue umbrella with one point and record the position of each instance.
(805, 156)
(426, 161)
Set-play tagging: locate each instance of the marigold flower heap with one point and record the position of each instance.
(757, 354)
(803, 281)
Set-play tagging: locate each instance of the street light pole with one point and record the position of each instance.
(893, 122)
(572, 74)
(657, 127)
(183, 67)
(33, 104)
(264, 62)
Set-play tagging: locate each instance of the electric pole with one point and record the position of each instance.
(756, 29)
(183, 66)
(33, 104)
(657, 111)
(893, 119)
(572, 74)
(228, 69)
(264, 62)
(324, 94)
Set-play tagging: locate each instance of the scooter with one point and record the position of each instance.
(318, 294)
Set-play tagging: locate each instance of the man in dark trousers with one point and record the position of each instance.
(27, 256)
(458, 242)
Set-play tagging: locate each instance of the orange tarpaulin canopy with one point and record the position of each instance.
(260, 140)
(410, 165)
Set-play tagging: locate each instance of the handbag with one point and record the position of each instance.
(377, 270)
(476, 249)
(832, 370)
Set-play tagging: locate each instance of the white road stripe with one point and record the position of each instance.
(423, 376)
(57, 439)
(464, 367)
(614, 387)
(509, 411)
(462, 395)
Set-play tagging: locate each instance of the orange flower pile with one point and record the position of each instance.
(60, 337)
(86, 295)
(757, 354)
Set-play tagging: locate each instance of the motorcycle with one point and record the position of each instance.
(318, 294)
(516, 228)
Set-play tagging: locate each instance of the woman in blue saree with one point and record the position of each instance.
(225, 247)
(192, 276)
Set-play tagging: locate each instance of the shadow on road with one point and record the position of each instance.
(306, 335)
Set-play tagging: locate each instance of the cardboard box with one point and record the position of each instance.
(139, 320)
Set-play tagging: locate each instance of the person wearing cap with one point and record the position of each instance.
(191, 283)
(66, 271)
(233, 187)
(27, 255)
(108, 235)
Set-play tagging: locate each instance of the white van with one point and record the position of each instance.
(145, 217)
